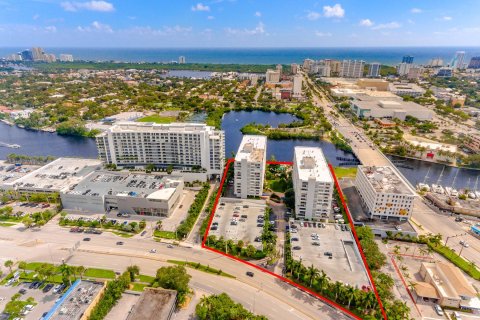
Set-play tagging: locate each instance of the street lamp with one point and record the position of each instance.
(457, 235)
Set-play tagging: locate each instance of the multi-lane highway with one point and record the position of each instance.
(263, 293)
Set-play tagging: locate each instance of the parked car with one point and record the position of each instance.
(328, 254)
(294, 239)
(250, 273)
(47, 288)
(170, 246)
(315, 243)
(119, 243)
(457, 315)
(153, 250)
(22, 291)
(143, 233)
(87, 239)
(297, 248)
(439, 310)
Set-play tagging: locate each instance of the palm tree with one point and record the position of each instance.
(133, 270)
(396, 249)
(66, 272)
(323, 280)
(80, 270)
(350, 293)
(22, 265)
(9, 264)
(313, 274)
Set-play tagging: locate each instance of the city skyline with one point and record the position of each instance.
(238, 24)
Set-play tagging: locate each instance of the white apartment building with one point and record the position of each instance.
(249, 166)
(186, 146)
(297, 85)
(312, 182)
(272, 76)
(352, 68)
(66, 57)
(384, 194)
(374, 70)
(403, 68)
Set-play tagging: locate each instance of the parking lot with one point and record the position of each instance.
(44, 300)
(330, 249)
(237, 219)
(180, 211)
(23, 208)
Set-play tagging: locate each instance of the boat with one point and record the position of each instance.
(8, 145)
(472, 195)
(423, 186)
(454, 192)
(477, 194)
(448, 191)
(438, 189)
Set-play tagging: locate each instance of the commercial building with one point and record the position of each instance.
(185, 146)
(449, 96)
(474, 63)
(384, 194)
(312, 182)
(458, 61)
(294, 68)
(435, 62)
(407, 59)
(272, 76)
(414, 73)
(403, 68)
(373, 84)
(249, 166)
(56, 176)
(307, 64)
(131, 193)
(181, 60)
(446, 285)
(66, 57)
(406, 89)
(444, 72)
(352, 68)
(297, 86)
(38, 54)
(374, 70)
(373, 107)
(78, 302)
(472, 142)
(154, 304)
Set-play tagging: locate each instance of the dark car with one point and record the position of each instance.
(47, 288)
(87, 239)
(458, 219)
(294, 239)
(143, 233)
(260, 225)
(22, 291)
(37, 285)
(328, 254)
(32, 285)
(119, 214)
(258, 239)
(214, 228)
(120, 243)
(250, 273)
(297, 248)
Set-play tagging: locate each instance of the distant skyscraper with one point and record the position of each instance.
(435, 62)
(474, 63)
(26, 55)
(38, 54)
(458, 60)
(272, 76)
(307, 64)
(352, 68)
(403, 68)
(279, 68)
(181, 59)
(407, 59)
(297, 85)
(374, 70)
(294, 68)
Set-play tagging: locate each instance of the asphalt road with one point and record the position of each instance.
(264, 293)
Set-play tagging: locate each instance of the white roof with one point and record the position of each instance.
(252, 148)
(155, 127)
(311, 163)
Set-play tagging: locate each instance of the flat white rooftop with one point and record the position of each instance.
(311, 163)
(385, 180)
(58, 174)
(252, 148)
(125, 127)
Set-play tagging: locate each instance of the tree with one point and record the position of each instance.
(222, 307)
(312, 273)
(9, 264)
(22, 265)
(133, 271)
(290, 198)
(27, 221)
(251, 250)
(80, 270)
(174, 277)
(66, 272)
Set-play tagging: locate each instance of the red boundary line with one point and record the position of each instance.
(404, 284)
(298, 286)
(350, 220)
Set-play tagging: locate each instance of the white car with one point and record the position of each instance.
(457, 315)
(439, 310)
(464, 243)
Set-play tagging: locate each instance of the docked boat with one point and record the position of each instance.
(472, 195)
(438, 189)
(423, 186)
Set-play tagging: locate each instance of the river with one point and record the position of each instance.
(40, 143)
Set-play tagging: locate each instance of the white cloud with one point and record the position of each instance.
(51, 29)
(210, 17)
(312, 15)
(366, 23)
(416, 10)
(258, 14)
(333, 12)
(200, 7)
(323, 34)
(102, 6)
(96, 26)
(446, 18)
(390, 25)
(36, 16)
(411, 21)
(259, 29)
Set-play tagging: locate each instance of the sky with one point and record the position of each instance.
(239, 23)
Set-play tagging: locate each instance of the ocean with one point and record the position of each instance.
(384, 55)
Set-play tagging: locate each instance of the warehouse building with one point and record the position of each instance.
(384, 194)
(131, 193)
(312, 182)
(372, 107)
(185, 146)
(249, 166)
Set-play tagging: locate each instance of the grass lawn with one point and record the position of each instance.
(6, 224)
(157, 119)
(145, 278)
(11, 219)
(458, 261)
(164, 234)
(201, 267)
(99, 273)
(344, 172)
(138, 286)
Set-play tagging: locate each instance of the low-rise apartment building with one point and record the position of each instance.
(312, 183)
(384, 194)
(249, 166)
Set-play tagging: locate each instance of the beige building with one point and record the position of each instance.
(272, 76)
(446, 284)
(472, 142)
(373, 84)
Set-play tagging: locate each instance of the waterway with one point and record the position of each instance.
(40, 143)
